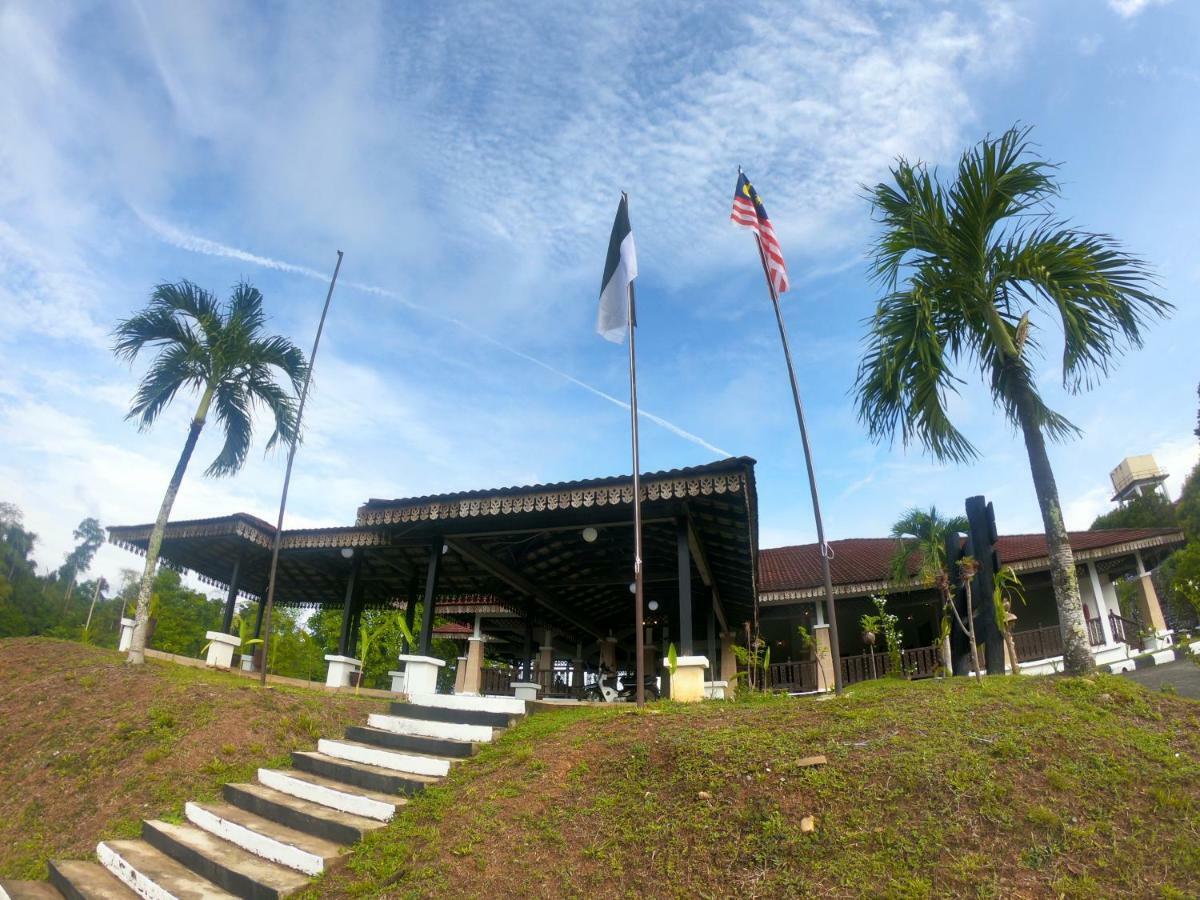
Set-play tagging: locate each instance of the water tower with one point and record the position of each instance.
(1137, 476)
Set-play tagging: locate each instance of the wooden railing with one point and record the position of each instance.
(1038, 643)
(1125, 630)
(496, 681)
(1095, 631)
(918, 662)
(794, 677)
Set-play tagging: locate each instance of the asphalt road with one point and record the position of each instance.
(1183, 675)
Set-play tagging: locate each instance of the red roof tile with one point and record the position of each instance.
(866, 560)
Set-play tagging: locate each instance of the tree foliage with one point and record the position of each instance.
(922, 533)
(1151, 510)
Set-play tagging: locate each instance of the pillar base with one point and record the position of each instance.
(460, 674)
(1162, 641)
(420, 673)
(247, 662)
(126, 634)
(220, 649)
(715, 690)
(340, 668)
(526, 690)
(473, 677)
(687, 684)
(398, 679)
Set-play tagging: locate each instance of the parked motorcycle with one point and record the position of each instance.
(605, 689)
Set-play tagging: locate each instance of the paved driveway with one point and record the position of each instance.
(1183, 675)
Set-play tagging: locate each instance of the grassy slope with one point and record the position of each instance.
(1016, 787)
(89, 746)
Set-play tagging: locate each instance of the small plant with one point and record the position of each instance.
(672, 659)
(818, 652)
(887, 624)
(1008, 587)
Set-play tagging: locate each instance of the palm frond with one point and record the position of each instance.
(281, 353)
(232, 408)
(171, 370)
(153, 326)
(281, 404)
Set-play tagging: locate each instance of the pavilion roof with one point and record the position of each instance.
(521, 548)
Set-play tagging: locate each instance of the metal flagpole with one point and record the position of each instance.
(640, 642)
(287, 477)
(830, 613)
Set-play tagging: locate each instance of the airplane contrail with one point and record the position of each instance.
(176, 237)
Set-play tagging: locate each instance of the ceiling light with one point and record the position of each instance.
(347, 552)
(652, 606)
(590, 534)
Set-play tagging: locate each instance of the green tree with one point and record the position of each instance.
(221, 352)
(1151, 510)
(181, 615)
(1187, 509)
(90, 537)
(963, 266)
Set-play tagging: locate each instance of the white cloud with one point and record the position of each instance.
(1127, 9)
(1088, 44)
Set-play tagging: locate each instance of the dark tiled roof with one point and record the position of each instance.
(868, 560)
(724, 465)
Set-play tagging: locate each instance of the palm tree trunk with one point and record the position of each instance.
(1077, 654)
(137, 646)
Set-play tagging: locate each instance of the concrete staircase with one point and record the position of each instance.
(267, 839)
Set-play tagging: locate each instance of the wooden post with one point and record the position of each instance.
(528, 648)
(431, 583)
(348, 609)
(231, 598)
(410, 612)
(684, 555)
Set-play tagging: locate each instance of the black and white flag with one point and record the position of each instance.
(620, 268)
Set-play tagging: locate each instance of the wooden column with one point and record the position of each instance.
(431, 583)
(684, 554)
(262, 605)
(527, 651)
(231, 598)
(348, 608)
(712, 644)
(410, 613)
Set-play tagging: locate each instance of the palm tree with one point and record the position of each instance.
(923, 532)
(978, 257)
(220, 352)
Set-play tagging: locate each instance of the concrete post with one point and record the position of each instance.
(460, 674)
(1149, 607)
(220, 649)
(473, 680)
(687, 684)
(608, 653)
(728, 662)
(545, 660)
(1102, 609)
(126, 634)
(824, 658)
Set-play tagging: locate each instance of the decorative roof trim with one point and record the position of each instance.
(1097, 553)
(614, 495)
(839, 590)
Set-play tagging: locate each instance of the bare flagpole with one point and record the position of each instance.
(823, 548)
(287, 477)
(639, 627)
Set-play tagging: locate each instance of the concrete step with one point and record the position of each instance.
(78, 879)
(455, 716)
(411, 743)
(235, 870)
(301, 815)
(331, 793)
(29, 890)
(295, 849)
(371, 755)
(463, 703)
(155, 875)
(455, 732)
(359, 775)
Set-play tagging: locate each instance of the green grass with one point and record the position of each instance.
(1013, 787)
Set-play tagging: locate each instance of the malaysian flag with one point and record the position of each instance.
(749, 212)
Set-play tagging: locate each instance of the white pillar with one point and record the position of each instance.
(126, 634)
(340, 668)
(1137, 558)
(1101, 603)
(220, 649)
(687, 684)
(420, 673)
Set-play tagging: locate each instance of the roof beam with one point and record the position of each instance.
(516, 580)
(701, 559)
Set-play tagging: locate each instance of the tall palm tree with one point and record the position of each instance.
(220, 352)
(964, 266)
(924, 532)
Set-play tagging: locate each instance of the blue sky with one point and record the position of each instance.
(468, 158)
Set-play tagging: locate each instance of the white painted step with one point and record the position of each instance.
(262, 837)
(510, 705)
(333, 794)
(449, 731)
(154, 875)
(411, 763)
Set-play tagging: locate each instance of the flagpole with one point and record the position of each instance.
(640, 642)
(287, 477)
(822, 547)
